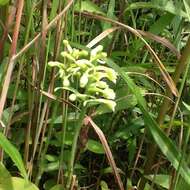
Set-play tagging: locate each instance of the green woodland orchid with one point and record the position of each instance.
(86, 77)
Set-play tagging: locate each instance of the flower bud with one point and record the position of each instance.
(83, 80)
(72, 97)
(83, 63)
(66, 82)
(54, 64)
(96, 50)
(102, 84)
(69, 48)
(75, 53)
(67, 55)
(112, 75)
(109, 93)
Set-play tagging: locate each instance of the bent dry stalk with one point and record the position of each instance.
(84, 75)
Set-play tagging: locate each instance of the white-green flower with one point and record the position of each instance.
(66, 82)
(84, 80)
(85, 77)
(72, 97)
(109, 94)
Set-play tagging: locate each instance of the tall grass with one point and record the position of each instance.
(143, 143)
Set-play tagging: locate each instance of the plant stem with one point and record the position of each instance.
(74, 146)
(45, 147)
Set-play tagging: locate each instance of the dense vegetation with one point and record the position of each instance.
(94, 94)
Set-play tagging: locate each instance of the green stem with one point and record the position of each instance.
(64, 127)
(74, 146)
(46, 145)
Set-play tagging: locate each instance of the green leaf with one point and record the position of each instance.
(110, 14)
(21, 93)
(50, 183)
(160, 179)
(167, 147)
(181, 184)
(89, 7)
(109, 170)
(6, 113)
(16, 183)
(13, 153)
(4, 2)
(52, 166)
(167, 5)
(104, 185)
(160, 24)
(57, 187)
(4, 173)
(157, 28)
(95, 146)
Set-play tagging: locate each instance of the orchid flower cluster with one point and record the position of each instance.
(85, 75)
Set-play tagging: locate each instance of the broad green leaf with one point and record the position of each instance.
(3, 2)
(89, 7)
(104, 185)
(7, 182)
(6, 113)
(17, 183)
(52, 166)
(51, 158)
(68, 139)
(50, 183)
(167, 5)
(4, 173)
(13, 153)
(95, 146)
(109, 170)
(161, 23)
(160, 179)
(167, 147)
(57, 187)
(21, 93)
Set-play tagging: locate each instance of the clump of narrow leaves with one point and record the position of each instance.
(85, 75)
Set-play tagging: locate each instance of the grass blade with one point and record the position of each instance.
(13, 153)
(164, 6)
(164, 143)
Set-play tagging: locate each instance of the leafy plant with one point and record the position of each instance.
(83, 75)
(113, 100)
